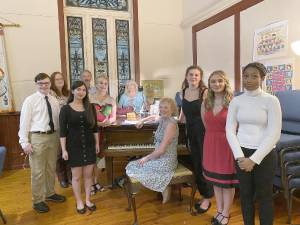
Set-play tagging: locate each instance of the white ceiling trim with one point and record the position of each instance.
(202, 15)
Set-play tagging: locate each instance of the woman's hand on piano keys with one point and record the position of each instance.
(139, 124)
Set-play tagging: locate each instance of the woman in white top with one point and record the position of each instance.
(253, 128)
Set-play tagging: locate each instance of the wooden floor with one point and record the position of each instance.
(15, 202)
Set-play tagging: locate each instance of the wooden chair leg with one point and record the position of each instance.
(2, 217)
(127, 192)
(290, 203)
(192, 200)
(179, 186)
(134, 209)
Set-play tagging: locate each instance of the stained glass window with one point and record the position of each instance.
(75, 40)
(123, 52)
(120, 5)
(100, 47)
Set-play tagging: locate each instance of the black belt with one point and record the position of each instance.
(43, 132)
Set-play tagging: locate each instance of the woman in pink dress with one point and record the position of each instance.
(218, 161)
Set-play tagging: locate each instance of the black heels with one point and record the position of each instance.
(201, 210)
(91, 208)
(81, 211)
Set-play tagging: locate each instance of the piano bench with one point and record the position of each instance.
(182, 175)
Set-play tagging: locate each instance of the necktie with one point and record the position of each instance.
(51, 124)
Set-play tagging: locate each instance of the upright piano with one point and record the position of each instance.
(126, 140)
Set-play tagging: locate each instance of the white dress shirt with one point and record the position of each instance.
(35, 117)
(253, 121)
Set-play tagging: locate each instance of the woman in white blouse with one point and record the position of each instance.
(253, 128)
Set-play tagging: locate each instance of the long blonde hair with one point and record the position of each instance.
(209, 101)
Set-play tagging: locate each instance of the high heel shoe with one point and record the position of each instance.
(91, 208)
(201, 210)
(166, 194)
(81, 211)
(219, 222)
(214, 220)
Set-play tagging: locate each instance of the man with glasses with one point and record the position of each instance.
(39, 139)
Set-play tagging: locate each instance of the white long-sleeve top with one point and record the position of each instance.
(253, 121)
(35, 117)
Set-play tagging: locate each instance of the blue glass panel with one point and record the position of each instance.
(100, 47)
(120, 5)
(123, 52)
(75, 40)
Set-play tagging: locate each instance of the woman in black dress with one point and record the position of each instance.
(79, 141)
(193, 91)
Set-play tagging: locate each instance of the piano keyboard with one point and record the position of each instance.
(125, 147)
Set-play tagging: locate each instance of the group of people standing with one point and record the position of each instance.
(230, 139)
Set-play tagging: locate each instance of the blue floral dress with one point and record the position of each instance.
(156, 174)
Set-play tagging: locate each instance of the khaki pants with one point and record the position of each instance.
(43, 164)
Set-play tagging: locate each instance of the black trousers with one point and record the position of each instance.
(257, 185)
(195, 136)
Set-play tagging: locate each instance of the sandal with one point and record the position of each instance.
(214, 220)
(93, 189)
(98, 187)
(222, 218)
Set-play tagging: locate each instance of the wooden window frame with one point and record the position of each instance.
(235, 11)
(62, 39)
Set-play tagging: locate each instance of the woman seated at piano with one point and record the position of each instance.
(155, 170)
(106, 115)
(132, 98)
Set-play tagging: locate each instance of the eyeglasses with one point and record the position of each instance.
(43, 83)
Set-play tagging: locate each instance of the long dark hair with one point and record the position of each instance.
(64, 91)
(201, 85)
(88, 107)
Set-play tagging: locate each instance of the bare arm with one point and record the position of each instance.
(152, 118)
(181, 116)
(96, 136)
(202, 113)
(65, 155)
(170, 134)
(113, 112)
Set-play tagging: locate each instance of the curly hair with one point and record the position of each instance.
(172, 104)
(228, 95)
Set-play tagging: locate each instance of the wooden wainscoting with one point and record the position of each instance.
(9, 127)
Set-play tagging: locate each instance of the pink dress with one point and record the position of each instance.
(218, 161)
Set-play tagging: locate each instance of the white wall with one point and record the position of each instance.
(267, 12)
(33, 47)
(216, 52)
(256, 17)
(161, 43)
